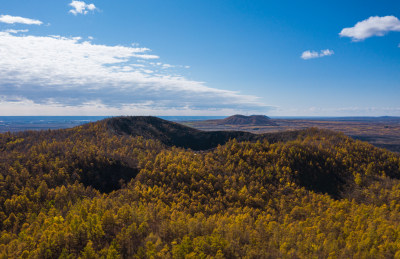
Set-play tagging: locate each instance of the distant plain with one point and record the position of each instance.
(383, 132)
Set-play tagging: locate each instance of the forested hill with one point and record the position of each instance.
(174, 134)
(142, 187)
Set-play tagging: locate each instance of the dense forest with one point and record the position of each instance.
(142, 187)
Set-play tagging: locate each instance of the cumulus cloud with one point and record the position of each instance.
(17, 19)
(80, 7)
(309, 54)
(373, 26)
(63, 72)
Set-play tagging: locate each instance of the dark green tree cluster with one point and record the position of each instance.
(90, 193)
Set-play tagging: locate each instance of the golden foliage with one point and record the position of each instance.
(322, 195)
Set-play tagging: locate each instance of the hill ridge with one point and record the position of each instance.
(175, 134)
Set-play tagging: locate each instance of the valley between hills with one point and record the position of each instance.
(143, 187)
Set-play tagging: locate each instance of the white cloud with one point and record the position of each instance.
(308, 54)
(17, 19)
(147, 56)
(65, 72)
(81, 7)
(373, 26)
(27, 107)
(15, 31)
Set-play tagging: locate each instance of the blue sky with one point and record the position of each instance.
(279, 58)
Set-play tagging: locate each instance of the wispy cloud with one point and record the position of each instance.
(373, 26)
(17, 19)
(57, 73)
(339, 111)
(310, 54)
(16, 31)
(80, 7)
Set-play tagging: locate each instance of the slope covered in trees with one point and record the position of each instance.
(174, 134)
(126, 187)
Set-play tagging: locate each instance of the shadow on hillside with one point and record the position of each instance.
(106, 176)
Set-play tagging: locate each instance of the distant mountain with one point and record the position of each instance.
(259, 120)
